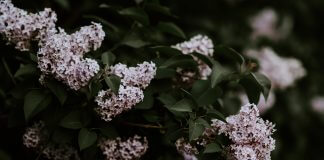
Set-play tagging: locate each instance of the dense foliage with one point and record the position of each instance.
(171, 86)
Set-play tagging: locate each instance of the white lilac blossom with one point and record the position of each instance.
(250, 135)
(283, 72)
(317, 104)
(60, 152)
(263, 105)
(34, 136)
(202, 45)
(187, 150)
(139, 76)
(111, 105)
(61, 55)
(265, 24)
(130, 149)
(20, 28)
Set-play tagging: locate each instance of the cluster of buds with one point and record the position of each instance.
(133, 80)
(130, 149)
(200, 44)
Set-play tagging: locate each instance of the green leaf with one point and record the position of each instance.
(72, 120)
(209, 96)
(147, 102)
(158, 8)
(254, 84)
(166, 50)
(212, 148)
(171, 28)
(134, 40)
(58, 90)
(167, 99)
(109, 131)
(215, 114)
(113, 82)
(162, 73)
(230, 52)
(86, 138)
(195, 130)
(179, 61)
(62, 135)
(208, 60)
(137, 14)
(108, 58)
(25, 70)
(219, 73)
(184, 105)
(32, 101)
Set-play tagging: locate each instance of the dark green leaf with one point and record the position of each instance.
(179, 61)
(216, 114)
(171, 28)
(264, 83)
(72, 120)
(209, 96)
(159, 9)
(166, 50)
(212, 148)
(195, 130)
(167, 99)
(162, 73)
(137, 14)
(109, 132)
(58, 90)
(86, 138)
(208, 60)
(147, 102)
(219, 73)
(184, 105)
(113, 82)
(108, 58)
(33, 99)
(221, 49)
(25, 70)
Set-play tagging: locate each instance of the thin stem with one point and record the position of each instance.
(142, 125)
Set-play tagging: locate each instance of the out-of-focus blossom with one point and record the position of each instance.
(317, 104)
(187, 150)
(20, 28)
(266, 24)
(60, 152)
(61, 55)
(283, 72)
(117, 149)
(34, 136)
(200, 44)
(263, 105)
(250, 134)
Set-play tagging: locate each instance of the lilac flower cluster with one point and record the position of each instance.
(36, 137)
(21, 28)
(202, 45)
(130, 149)
(187, 150)
(282, 72)
(62, 55)
(133, 80)
(250, 135)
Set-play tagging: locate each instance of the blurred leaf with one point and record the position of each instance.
(137, 14)
(61, 135)
(195, 130)
(108, 58)
(166, 50)
(264, 83)
(134, 40)
(86, 138)
(171, 28)
(25, 70)
(58, 90)
(162, 73)
(184, 105)
(158, 8)
(221, 49)
(218, 74)
(109, 132)
(63, 3)
(212, 148)
(4, 155)
(254, 84)
(72, 120)
(179, 61)
(167, 99)
(203, 122)
(113, 82)
(32, 101)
